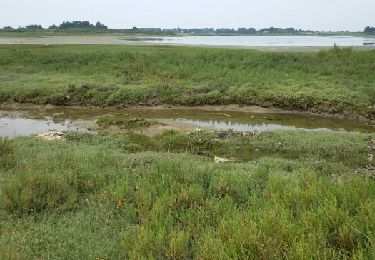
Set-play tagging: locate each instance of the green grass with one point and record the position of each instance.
(305, 146)
(285, 195)
(290, 195)
(333, 81)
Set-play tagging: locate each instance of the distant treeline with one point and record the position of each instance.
(369, 30)
(241, 31)
(225, 31)
(64, 25)
(79, 25)
(246, 31)
(86, 25)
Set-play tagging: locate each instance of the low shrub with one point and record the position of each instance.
(7, 156)
(29, 193)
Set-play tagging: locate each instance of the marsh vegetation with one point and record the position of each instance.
(125, 195)
(336, 81)
(288, 195)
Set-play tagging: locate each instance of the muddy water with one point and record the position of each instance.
(17, 126)
(34, 120)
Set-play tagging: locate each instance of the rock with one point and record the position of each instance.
(219, 160)
(52, 135)
(371, 150)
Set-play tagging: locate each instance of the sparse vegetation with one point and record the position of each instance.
(132, 123)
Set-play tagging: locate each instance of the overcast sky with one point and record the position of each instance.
(326, 15)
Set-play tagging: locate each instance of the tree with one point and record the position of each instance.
(247, 31)
(225, 31)
(81, 25)
(34, 27)
(99, 25)
(369, 30)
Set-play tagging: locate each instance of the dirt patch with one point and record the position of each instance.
(218, 108)
(52, 135)
(207, 108)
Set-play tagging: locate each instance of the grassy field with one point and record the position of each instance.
(287, 195)
(118, 194)
(333, 81)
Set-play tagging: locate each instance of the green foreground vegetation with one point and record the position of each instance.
(118, 194)
(286, 195)
(336, 81)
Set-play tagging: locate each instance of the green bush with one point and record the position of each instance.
(34, 193)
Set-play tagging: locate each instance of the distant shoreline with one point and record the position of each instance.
(131, 34)
(151, 40)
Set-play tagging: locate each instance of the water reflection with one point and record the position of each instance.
(34, 120)
(265, 41)
(11, 127)
(244, 127)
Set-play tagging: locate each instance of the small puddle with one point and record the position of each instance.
(12, 127)
(34, 120)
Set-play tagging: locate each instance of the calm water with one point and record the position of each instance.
(21, 126)
(35, 120)
(266, 41)
(228, 125)
(229, 41)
